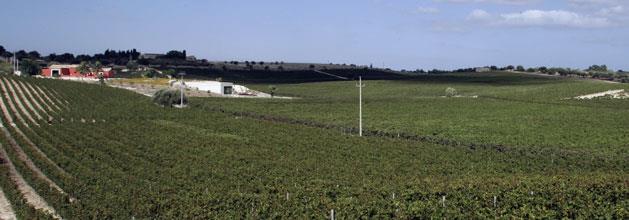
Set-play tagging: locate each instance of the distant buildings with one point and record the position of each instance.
(482, 69)
(58, 70)
(223, 88)
(151, 56)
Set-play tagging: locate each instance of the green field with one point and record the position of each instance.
(511, 109)
(121, 156)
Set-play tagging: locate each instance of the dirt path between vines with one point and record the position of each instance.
(6, 111)
(28, 193)
(22, 155)
(41, 100)
(15, 88)
(18, 102)
(53, 97)
(58, 96)
(6, 212)
(43, 94)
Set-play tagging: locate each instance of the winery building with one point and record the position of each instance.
(71, 71)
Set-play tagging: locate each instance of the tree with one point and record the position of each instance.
(4, 52)
(83, 68)
(170, 72)
(132, 65)
(83, 58)
(169, 97)
(98, 68)
(21, 54)
(150, 73)
(272, 90)
(34, 55)
(519, 68)
(597, 68)
(5, 68)
(542, 69)
(451, 92)
(173, 54)
(63, 58)
(92, 68)
(29, 67)
(51, 57)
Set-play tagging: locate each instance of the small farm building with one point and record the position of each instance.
(483, 69)
(71, 71)
(224, 88)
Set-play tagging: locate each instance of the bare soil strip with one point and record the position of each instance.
(43, 94)
(13, 86)
(6, 212)
(58, 96)
(614, 94)
(28, 193)
(22, 155)
(29, 89)
(31, 98)
(13, 109)
(17, 100)
(39, 152)
(53, 96)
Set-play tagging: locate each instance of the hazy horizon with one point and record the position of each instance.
(442, 34)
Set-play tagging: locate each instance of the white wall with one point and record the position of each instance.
(211, 86)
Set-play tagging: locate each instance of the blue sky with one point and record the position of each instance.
(395, 33)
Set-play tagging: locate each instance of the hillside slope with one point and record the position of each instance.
(116, 155)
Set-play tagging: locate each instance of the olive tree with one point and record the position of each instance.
(169, 97)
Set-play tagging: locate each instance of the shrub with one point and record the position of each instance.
(29, 67)
(169, 97)
(451, 92)
(5, 68)
(272, 90)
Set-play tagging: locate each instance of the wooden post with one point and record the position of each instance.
(495, 199)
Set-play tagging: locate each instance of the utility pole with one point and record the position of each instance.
(181, 85)
(360, 105)
(16, 65)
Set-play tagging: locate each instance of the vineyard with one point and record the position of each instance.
(84, 151)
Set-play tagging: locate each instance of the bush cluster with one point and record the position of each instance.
(169, 97)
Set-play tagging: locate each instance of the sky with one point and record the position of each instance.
(399, 34)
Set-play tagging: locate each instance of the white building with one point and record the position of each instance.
(223, 88)
(483, 69)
